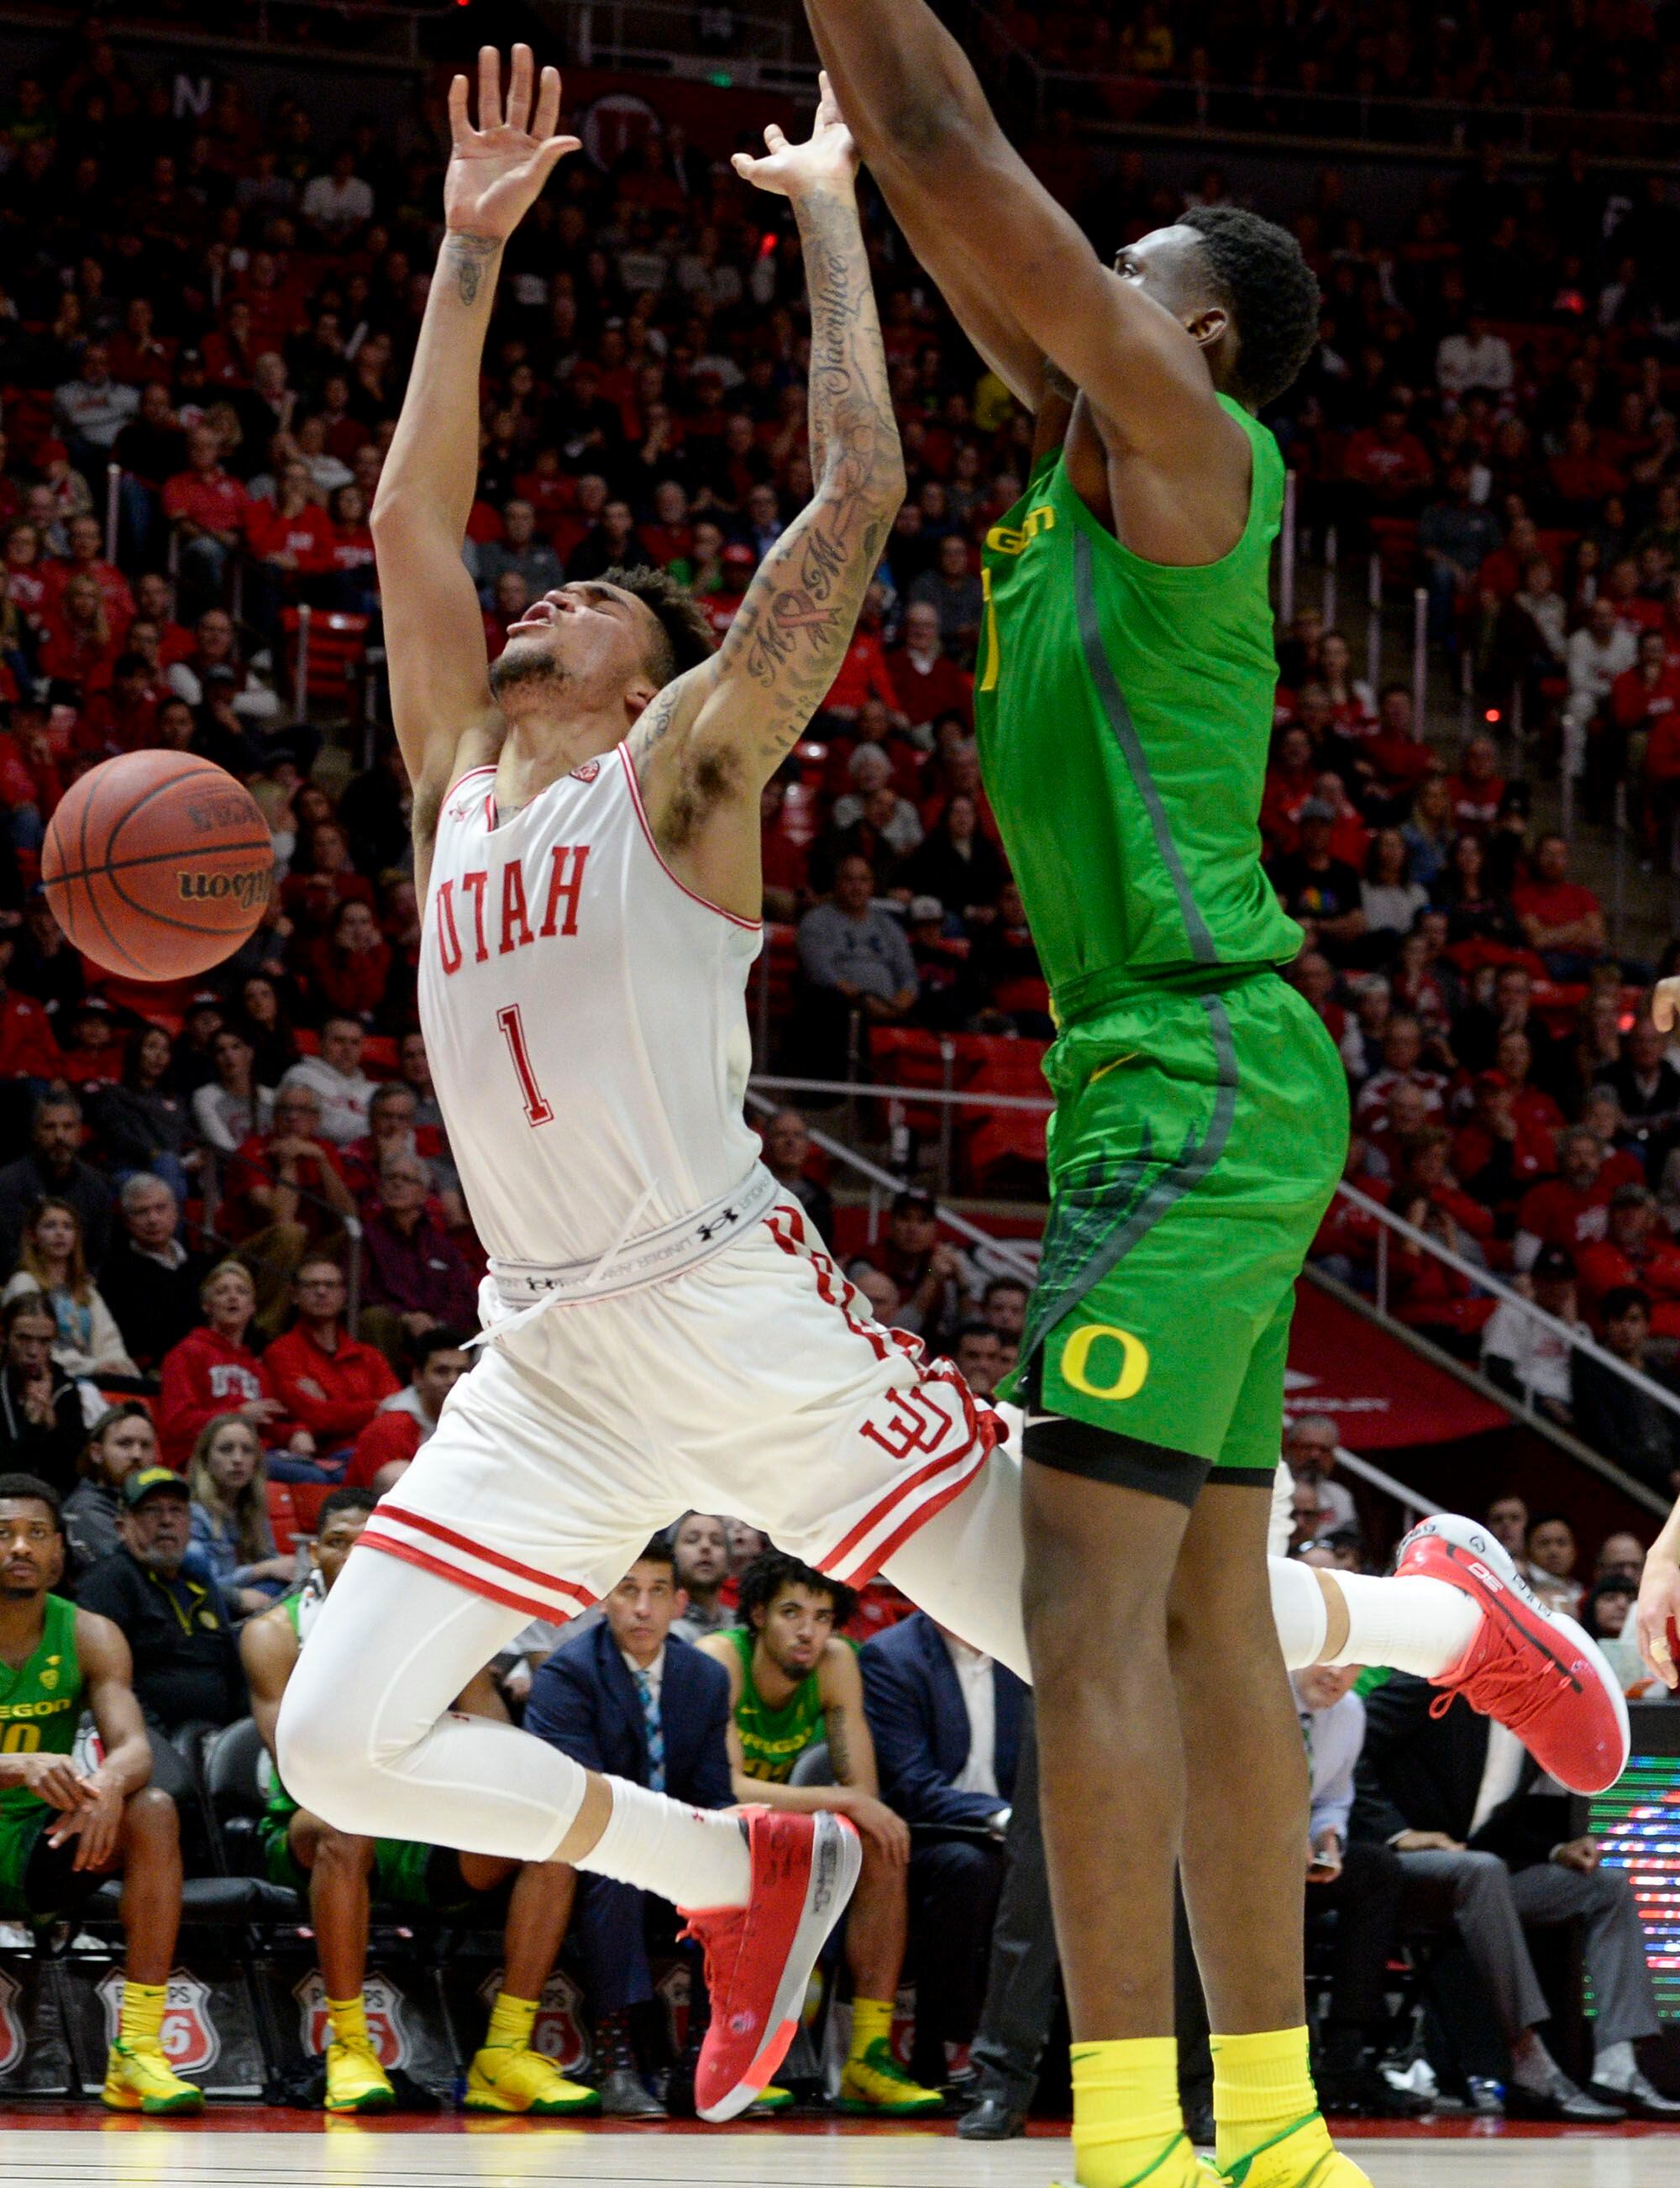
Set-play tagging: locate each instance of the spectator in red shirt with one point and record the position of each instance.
(208, 509)
(1568, 1210)
(212, 1370)
(353, 587)
(926, 681)
(864, 675)
(1562, 919)
(329, 1380)
(290, 536)
(1498, 1154)
(438, 1359)
(122, 718)
(786, 866)
(1477, 786)
(80, 646)
(27, 1047)
(1633, 1252)
(321, 878)
(155, 600)
(349, 968)
(86, 545)
(1391, 466)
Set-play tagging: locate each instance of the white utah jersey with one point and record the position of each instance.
(585, 1018)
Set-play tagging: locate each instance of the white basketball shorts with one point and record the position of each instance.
(755, 1384)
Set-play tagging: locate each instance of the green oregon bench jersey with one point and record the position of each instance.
(772, 1741)
(41, 1700)
(1123, 713)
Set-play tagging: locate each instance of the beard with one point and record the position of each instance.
(525, 662)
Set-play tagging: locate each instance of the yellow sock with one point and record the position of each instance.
(348, 2018)
(1128, 2123)
(1262, 2087)
(871, 2022)
(142, 2017)
(511, 2021)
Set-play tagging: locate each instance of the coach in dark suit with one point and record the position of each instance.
(627, 1697)
(946, 1723)
(1483, 1845)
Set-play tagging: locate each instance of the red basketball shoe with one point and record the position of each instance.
(759, 1957)
(1531, 1669)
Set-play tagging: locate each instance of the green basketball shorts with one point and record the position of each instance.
(39, 1883)
(1196, 1141)
(403, 1874)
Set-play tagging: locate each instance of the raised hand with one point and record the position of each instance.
(828, 159)
(497, 171)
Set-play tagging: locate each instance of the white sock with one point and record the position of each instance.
(1418, 1625)
(1299, 1611)
(1615, 2066)
(693, 1857)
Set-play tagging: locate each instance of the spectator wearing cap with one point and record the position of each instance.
(53, 1169)
(186, 1665)
(150, 1280)
(935, 1280)
(1319, 890)
(1634, 1251)
(1615, 1415)
(852, 956)
(408, 1419)
(787, 1155)
(1526, 1355)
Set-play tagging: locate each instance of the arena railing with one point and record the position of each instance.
(898, 1100)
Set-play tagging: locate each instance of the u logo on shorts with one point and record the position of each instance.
(1134, 1362)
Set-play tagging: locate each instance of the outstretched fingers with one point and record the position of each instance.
(519, 89)
(548, 104)
(460, 128)
(489, 88)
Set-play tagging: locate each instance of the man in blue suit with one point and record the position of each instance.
(946, 1722)
(625, 1696)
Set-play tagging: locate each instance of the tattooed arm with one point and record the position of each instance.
(434, 633)
(709, 743)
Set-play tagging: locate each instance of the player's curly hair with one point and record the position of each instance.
(772, 1570)
(1271, 294)
(687, 638)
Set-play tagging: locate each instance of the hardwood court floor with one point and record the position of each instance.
(257, 2149)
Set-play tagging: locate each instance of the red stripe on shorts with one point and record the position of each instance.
(786, 1226)
(422, 1525)
(370, 1539)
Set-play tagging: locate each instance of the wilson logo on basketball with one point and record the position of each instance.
(220, 812)
(247, 890)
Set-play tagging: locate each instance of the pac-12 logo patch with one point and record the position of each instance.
(588, 772)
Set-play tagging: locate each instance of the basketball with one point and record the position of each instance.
(157, 866)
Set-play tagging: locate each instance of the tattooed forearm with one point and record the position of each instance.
(791, 632)
(472, 257)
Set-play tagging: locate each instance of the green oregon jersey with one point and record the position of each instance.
(281, 1806)
(1124, 710)
(772, 1741)
(41, 1700)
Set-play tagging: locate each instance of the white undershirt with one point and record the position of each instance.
(979, 1698)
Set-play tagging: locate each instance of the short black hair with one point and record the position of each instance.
(419, 1350)
(772, 1570)
(661, 1550)
(1005, 1284)
(1620, 1298)
(1264, 277)
(976, 1329)
(687, 636)
(16, 1487)
(343, 1500)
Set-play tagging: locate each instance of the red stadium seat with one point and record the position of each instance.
(327, 651)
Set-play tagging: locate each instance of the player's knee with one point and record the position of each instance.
(318, 1755)
(152, 1816)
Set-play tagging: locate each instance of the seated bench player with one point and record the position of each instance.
(63, 1828)
(341, 1876)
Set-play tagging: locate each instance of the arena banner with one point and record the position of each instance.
(1382, 1395)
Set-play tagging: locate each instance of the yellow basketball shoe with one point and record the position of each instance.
(138, 2079)
(1176, 2167)
(356, 2082)
(874, 2085)
(506, 2078)
(1302, 2157)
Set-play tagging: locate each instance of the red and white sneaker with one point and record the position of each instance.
(1531, 1669)
(759, 1957)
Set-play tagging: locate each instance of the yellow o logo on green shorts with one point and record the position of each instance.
(1134, 1362)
